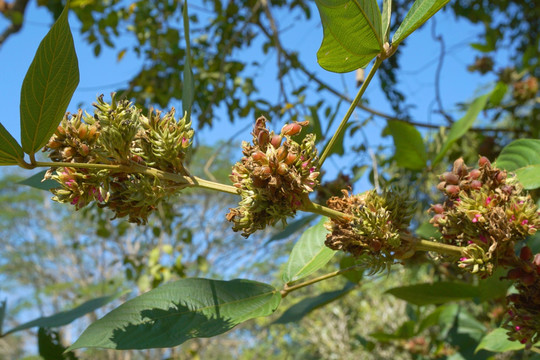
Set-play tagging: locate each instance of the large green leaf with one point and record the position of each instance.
(522, 157)
(309, 253)
(66, 317)
(497, 341)
(188, 85)
(436, 293)
(419, 13)
(460, 127)
(10, 150)
(410, 150)
(307, 305)
(175, 312)
(48, 85)
(36, 181)
(352, 34)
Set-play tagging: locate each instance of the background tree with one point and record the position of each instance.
(223, 79)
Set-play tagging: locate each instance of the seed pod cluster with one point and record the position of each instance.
(523, 320)
(485, 210)
(376, 224)
(117, 134)
(275, 173)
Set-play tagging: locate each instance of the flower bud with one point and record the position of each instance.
(282, 169)
(262, 139)
(526, 253)
(437, 208)
(483, 161)
(276, 141)
(474, 174)
(460, 168)
(476, 184)
(291, 129)
(450, 178)
(259, 156)
(452, 189)
(291, 158)
(281, 153)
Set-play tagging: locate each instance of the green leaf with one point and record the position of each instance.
(50, 346)
(188, 85)
(493, 287)
(48, 85)
(66, 317)
(410, 150)
(36, 181)
(497, 341)
(185, 309)
(405, 331)
(10, 150)
(352, 34)
(419, 13)
(436, 293)
(460, 127)
(293, 227)
(309, 253)
(386, 17)
(305, 306)
(523, 158)
(498, 93)
(426, 230)
(354, 276)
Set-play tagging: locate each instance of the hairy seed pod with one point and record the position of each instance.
(526, 254)
(291, 129)
(483, 161)
(276, 141)
(450, 178)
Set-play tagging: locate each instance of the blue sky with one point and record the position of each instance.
(102, 75)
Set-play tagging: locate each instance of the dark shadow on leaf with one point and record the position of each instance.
(168, 328)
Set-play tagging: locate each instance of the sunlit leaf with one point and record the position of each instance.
(386, 18)
(175, 312)
(48, 85)
(497, 341)
(293, 227)
(419, 13)
(410, 150)
(460, 127)
(352, 34)
(10, 150)
(309, 253)
(523, 158)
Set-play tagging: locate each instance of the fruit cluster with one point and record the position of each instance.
(118, 134)
(273, 177)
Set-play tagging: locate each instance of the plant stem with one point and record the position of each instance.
(351, 109)
(193, 181)
(287, 289)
